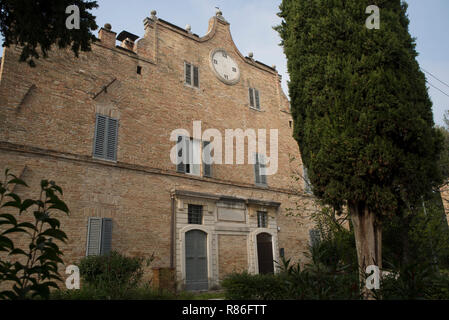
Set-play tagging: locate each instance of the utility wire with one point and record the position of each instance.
(447, 85)
(438, 89)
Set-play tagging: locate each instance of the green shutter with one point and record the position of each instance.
(257, 169)
(100, 136)
(251, 97)
(257, 98)
(188, 70)
(196, 77)
(106, 236)
(111, 141)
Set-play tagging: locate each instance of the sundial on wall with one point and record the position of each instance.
(224, 67)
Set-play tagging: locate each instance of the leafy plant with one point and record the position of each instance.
(33, 270)
(114, 274)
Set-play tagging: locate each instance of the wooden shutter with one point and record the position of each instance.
(94, 236)
(106, 236)
(207, 159)
(100, 136)
(188, 69)
(111, 141)
(257, 98)
(196, 77)
(257, 169)
(181, 167)
(251, 97)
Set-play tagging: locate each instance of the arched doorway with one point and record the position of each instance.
(196, 260)
(265, 253)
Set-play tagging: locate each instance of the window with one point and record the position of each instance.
(139, 70)
(99, 236)
(307, 188)
(254, 98)
(195, 214)
(192, 77)
(262, 219)
(259, 170)
(106, 137)
(189, 150)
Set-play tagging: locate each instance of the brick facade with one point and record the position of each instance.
(47, 125)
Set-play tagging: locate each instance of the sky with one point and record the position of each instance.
(251, 27)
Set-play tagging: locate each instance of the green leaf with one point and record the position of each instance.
(59, 189)
(18, 251)
(57, 234)
(60, 205)
(14, 196)
(44, 184)
(15, 230)
(13, 204)
(26, 204)
(27, 225)
(9, 217)
(6, 243)
(18, 181)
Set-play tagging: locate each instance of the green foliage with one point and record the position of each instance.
(41, 24)
(363, 116)
(113, 275)
(418, 237)
(138, 293)
(33, 269)
(292, 283)
(254, 287)
(416, 281)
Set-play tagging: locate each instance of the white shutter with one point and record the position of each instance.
(94, 237)
(207, 159)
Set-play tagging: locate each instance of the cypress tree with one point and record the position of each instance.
(362, 114)
(40, 24)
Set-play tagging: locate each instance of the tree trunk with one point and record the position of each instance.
(368, 240)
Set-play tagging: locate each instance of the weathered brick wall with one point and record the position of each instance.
(232, 254)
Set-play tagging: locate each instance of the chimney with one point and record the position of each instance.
(107, 36)
(127, 39)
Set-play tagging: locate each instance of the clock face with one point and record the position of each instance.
(225, 68)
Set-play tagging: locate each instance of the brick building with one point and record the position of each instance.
(100, 126)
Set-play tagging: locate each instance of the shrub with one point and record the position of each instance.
(312, 283)
(253, 287)
(111, 275)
